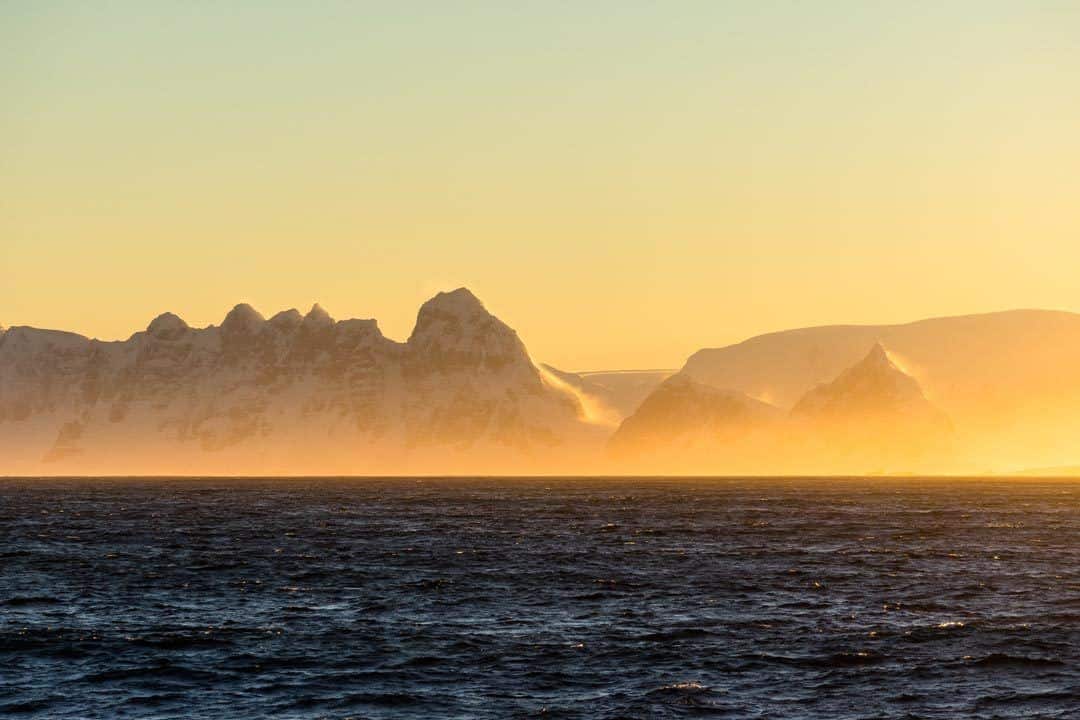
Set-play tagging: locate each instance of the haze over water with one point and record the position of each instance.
(496, 598)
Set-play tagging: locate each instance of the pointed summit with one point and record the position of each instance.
(460, 302)
(874, 386)
(878, 356)
(457, 312)
(167, 326)
(242, 319)
(873, 417)
(317, 317)
(455, 331)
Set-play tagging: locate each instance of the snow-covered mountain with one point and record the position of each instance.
(292, 394)
(303, 393)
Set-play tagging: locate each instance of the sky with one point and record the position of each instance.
(622, 182)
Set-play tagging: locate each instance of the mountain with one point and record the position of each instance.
(872, 389)
(1009, 382)
(874, 417)
(685, 424)
(292, 394)
(1014, 354)
(305, 393)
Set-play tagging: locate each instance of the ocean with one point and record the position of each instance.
(552, 598)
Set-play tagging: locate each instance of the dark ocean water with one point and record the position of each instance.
(548, 598)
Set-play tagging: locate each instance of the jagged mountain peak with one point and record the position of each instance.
(878, 362)
(457, 322)
(454, 330)
(878, 356)
(318, 317)
(874, 385)
(297, 392)
(242, 319)
(167, 326)
(873, 415)
(460, 305)
(455, 333)
(461, 299)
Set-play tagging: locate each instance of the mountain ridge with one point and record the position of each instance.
(300, 393)
(305, 391)
(873, 416)
(874, 380)
(1008, 381)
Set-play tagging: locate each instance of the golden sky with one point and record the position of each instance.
(622, 182)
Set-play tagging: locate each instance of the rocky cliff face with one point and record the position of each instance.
(295, 393)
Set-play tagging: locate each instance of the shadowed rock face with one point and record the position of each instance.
(167, 327)
(292, 385)
(242, 320)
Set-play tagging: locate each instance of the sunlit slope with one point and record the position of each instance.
(1003, 357)
(689, 427)
(873, 417)
(293, 394)
(1009, 382)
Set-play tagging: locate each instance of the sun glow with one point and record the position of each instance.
(907, 367)
(592, 410)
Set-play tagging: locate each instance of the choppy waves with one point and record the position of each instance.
(556, 598)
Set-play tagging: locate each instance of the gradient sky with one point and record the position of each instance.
(622, 182)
